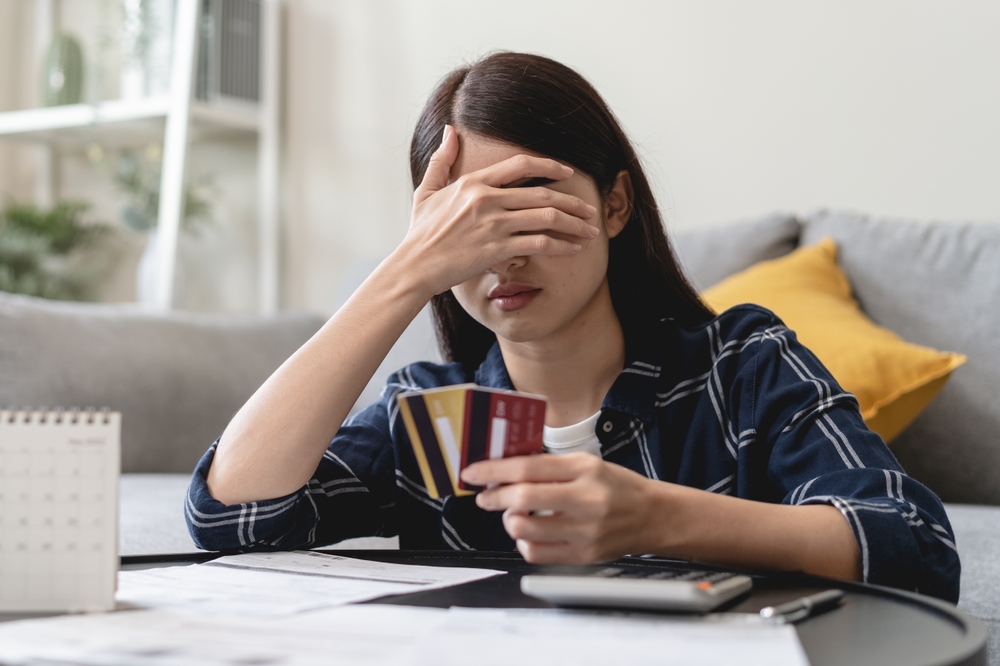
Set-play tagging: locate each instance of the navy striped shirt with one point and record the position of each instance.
(734, 406)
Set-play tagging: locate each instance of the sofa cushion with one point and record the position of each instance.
(709, 255)
(892, 379)
(177, 378)
(935, 284)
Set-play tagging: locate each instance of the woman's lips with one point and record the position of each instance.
(511, 297)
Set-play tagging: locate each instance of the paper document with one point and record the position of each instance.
(286, 582)
(587, 638)
(376, 635)
(357, 635)
(312, 563)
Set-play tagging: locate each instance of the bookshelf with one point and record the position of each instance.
(175, 119)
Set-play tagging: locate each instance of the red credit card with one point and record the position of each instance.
(501, 424)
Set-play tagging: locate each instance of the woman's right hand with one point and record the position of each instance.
(459, 229)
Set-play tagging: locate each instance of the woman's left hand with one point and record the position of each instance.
(571, 509)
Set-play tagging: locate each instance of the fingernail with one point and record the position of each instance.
(577, 248)
(594, 231)
(444, 134)
(568, 171)
(470, 475)
(592, 210)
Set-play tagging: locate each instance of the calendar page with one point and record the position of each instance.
(58, 510)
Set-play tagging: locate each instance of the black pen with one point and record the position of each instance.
(800, 609)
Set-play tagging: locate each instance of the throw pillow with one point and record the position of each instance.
(892, 379)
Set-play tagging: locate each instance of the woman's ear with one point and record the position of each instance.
(618, 204)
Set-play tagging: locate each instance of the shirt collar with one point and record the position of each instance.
(633, 392)
(493, 371)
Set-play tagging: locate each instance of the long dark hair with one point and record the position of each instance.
(534, 102)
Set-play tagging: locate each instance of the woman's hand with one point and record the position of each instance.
(459, 229)
(572, 509)
(595, 511)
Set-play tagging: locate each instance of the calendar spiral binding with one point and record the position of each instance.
(73, 415)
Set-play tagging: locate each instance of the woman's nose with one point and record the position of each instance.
(507, 265)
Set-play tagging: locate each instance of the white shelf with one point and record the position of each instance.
(122, 122)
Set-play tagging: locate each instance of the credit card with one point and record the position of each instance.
(454, 426)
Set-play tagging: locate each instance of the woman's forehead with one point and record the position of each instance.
(478, 152)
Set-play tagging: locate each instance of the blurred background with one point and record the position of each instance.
(298, 116)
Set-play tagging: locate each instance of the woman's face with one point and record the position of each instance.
(527, 299)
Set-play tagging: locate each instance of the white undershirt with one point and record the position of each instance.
(580, 436)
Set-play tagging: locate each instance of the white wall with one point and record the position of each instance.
(16, 163)
(739, 108)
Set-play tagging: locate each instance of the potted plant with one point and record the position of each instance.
(53, 253)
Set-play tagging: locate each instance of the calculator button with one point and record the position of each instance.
(662, 575)
(632, 574)
(715, 578)
(609, 572)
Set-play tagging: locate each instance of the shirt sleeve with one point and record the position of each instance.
(351, 494)
(822, 452)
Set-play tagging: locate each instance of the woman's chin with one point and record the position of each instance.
(522, 329)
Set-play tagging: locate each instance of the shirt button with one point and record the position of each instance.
(608, 426)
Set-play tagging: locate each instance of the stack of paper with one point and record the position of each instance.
(287, 582)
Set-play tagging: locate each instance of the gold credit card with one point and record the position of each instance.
(454, 426)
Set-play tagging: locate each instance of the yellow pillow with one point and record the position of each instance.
(893, 380)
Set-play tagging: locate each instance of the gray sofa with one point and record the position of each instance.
(178, 378)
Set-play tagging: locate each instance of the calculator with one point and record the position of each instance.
(683, 590)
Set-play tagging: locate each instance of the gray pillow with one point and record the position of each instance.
(936, 284)
(177, 378)
(709, 255)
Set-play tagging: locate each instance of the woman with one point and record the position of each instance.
(535, 236)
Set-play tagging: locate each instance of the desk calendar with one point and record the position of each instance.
(58, 509)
